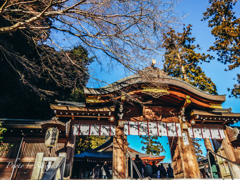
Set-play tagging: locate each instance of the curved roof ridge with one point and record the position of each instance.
(107, 143)
(165, 77)
(136, 78)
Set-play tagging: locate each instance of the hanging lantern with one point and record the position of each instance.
(192, 122)
(111, 118)
(51, 137)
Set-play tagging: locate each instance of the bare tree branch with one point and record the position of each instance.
(118, 32)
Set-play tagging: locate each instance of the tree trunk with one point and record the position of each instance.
(183, 69)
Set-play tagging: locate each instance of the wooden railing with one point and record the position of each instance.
(49, 168)
(228, 161)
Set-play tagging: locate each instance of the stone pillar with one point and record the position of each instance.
(119, 154)
(229, 151)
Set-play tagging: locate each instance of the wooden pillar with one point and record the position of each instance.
(189, 158)
(119, 154)
(237, 154)
(185, 163)
(176, 157)
(208, 144)
(70, 153)
(233, 137)
(229, 151)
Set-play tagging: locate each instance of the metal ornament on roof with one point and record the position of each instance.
(155, 92)
(152, 75)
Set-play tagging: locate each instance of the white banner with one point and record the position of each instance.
(206, 133)
(93, 129)
(152, 129)
(147, 129)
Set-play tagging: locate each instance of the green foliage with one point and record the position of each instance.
(86, 143)
(80, 55)
(4, 148)
(98, 141)
(182, 60)
(151, 145)
(226, 30)
(2, 130)
(52, 77)
(197, 147)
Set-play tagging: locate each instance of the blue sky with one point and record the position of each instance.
(135, 143)
(193, 10)
(215, 70)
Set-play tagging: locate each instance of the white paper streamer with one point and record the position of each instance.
(206, 133)
(96, 130)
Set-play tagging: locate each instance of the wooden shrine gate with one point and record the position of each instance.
(164, 106)
(133, 106)
(171, 130)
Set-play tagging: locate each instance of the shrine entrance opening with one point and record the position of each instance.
(151, 149)
(93, 145)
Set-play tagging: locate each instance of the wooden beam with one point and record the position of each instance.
(22, 126)
(183, 104)
(83, 116)
(84, 121)
(193, 100)
(214, 126)
(141, 118)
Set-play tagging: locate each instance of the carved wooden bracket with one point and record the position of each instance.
(232, 133)
(152, 112)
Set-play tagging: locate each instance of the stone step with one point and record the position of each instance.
(158, 179)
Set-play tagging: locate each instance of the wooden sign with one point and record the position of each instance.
(152, 112)
(185, 139)
(67, 128)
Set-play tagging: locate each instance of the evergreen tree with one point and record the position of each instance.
(32, 72)
(182, 60)
(54, 76)
(82, 144)
(226, 30)
(151, 145)
(86, 143)
(197, 147)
